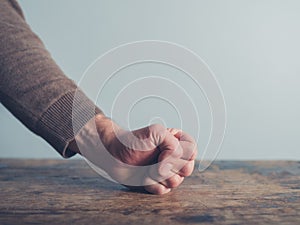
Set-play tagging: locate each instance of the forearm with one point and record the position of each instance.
(33, 87)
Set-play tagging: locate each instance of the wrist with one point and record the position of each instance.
(107, 129)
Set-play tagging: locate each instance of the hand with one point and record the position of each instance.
(153, 157)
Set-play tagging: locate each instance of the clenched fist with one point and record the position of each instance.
(154, 158)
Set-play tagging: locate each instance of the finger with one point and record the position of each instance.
(185, 170)
(170, 147)
(161, 171)
(183, 136)
(168, 169)
(176, 132)
(189, 150)
(170, 175)
(187, 138)
(156, 187)
(164, 176)
(187, 143)
(173, 181)
(184, 150)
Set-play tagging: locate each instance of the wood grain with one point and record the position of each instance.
(69, 192)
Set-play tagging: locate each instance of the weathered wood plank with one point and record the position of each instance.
(229, 192)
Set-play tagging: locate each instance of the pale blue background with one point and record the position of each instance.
(252, 46)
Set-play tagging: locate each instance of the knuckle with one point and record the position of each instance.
(187, 170)
(157, 132)
(174, 182)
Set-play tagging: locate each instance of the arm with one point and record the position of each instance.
(32, 86)
(36, 91)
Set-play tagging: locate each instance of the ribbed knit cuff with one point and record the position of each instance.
(64, 118)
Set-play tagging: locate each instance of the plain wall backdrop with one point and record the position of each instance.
(252, 46)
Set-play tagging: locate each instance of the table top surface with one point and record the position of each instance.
(70, 192)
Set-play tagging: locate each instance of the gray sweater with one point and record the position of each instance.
(32, 87)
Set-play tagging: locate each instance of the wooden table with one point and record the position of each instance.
(69, 192)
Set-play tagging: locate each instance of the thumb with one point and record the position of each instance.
(176, 132)
(170, 146)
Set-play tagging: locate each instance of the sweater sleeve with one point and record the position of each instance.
(33, 88)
